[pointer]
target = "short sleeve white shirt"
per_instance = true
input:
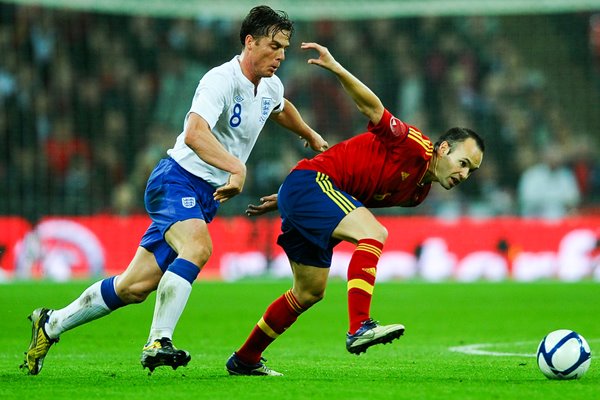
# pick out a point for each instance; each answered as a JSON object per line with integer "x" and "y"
{"x": 225, "y": 99}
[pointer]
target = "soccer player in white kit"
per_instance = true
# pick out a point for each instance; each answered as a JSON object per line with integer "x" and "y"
{"x": 205, "y": 167}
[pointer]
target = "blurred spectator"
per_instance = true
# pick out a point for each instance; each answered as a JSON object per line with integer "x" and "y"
{"x": 411, "y": 91}
{"x": 159, "y": 138}
{"x": 586, "y": 167}
{"x": 77, "y": 186}
{"x": 63, "y": 146}
{"x": 124, "y": 200}
{"x": 144, "y": 43}
{"x": 329, "y": 113}
{"x": 142, "y": 97}
{"x": 548, "y": 189}
{"x": 89, "y": 108}
{"x": 594, "y": 43}
{"x": 492, "y": 198}
{"x": 109, "y": 161}
{"x": 174, "y": 95}
{"x": 43, "y": 40}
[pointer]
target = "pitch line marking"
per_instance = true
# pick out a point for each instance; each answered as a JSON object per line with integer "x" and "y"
{"x": 479, "y": 349}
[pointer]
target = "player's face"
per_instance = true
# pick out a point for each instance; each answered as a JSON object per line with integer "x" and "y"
{"x": 454, "y": 167}
{"x": 267, "y": 53}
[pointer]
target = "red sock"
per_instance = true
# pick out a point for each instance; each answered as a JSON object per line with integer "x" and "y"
{"x": 280, "y": 315}
{"x": 361, "y": 280}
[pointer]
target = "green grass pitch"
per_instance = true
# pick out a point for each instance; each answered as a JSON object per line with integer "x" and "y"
{"x": 101, "y": 359}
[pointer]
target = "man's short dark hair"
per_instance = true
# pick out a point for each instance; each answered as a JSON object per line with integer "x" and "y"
{"x": 455, "y": 135}
{"x": 264, "y": 21}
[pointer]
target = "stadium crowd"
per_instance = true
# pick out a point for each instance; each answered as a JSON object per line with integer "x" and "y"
{"x": 89, "y": 102}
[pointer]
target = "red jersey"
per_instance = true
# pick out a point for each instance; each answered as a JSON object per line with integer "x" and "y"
{"x": 381, "y": 167}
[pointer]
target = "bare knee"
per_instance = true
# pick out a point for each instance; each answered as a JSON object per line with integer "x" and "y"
{"x": 377, "y": 232}
{"x": 380, "y": 234}
{"x": 135, "y": 293}
{"x": 308, "y": 298}
{"x": 197, "y": 254}
{"x": 191, "y": 240}
{"x": 360, "y": 224}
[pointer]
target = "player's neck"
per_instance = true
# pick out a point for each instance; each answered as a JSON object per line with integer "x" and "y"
{"x": 430, "y": 174}
{"x": 246, "y": 67}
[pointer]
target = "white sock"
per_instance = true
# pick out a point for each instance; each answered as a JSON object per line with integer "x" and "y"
{"x": 171, "y": 297}
{"x": 89, "y": 306}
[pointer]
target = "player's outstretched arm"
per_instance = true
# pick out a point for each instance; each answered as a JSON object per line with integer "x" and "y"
{"x": 291, "y": 119}
{"x": 267, "y": 204}
{"x": 367, "y": 102}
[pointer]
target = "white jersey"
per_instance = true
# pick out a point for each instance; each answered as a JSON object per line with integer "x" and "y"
{"x": 225, "y": 99}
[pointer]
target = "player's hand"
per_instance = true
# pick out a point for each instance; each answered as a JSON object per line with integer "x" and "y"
{"x": 325, "y": 59}
{"x": 267, "y": 204}
{"x": 316, "y": 142}
{"x": 233, "y": 187}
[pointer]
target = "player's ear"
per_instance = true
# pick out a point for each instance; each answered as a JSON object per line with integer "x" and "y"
{"x": 248, "y": 41}
{"x": 442, "y": 149}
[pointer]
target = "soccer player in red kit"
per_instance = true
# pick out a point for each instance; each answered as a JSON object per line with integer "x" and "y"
{"x": 325, "y": 200}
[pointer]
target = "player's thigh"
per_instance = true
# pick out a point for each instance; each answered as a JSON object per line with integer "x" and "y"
{"x": 140, "y": 278}
{"x": 191, "y": 240}
{"x": 309, "y": 283}
{"x": 360, "y": 224}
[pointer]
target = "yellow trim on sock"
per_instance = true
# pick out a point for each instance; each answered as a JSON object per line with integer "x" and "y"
{"x": 267, "y": 329}
{"x": 360, "y": 284}
{"x": 291, "y": 299}
{"x": 369, "y": 248}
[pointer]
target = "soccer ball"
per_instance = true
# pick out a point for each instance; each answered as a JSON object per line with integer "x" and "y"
{"x": 564, "y": 354}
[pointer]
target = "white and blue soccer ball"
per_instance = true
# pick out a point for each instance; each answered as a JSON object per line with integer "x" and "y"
{"x": 564, "y": 354}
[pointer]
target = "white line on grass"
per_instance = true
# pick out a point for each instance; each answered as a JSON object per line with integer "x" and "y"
{"x": 479, "y": 349}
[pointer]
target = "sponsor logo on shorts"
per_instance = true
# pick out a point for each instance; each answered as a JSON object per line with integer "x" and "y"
{"x": 188, "y": 202}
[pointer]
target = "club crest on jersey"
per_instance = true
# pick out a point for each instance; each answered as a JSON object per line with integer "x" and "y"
{"x": 395, "y": 126}
{"x": 265, "y": 108}
{"x": 188, "y": 202}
